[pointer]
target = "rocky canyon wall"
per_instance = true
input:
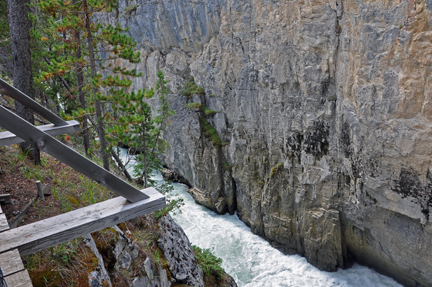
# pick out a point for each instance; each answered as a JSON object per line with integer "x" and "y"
{"x": 323, "y": 120}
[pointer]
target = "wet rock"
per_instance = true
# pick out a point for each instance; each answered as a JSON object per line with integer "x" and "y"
{"x": 221, "y": 205}
{"x": 202, "y": 197}
{"x": 173, "y": 176}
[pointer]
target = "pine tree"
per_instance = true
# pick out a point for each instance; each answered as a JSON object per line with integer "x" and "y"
{"x": 19, "y": 29}
{"x": 4, "y": 26}
{"x": 134, "y": 125}
{"x": 82, "y": 41}
{"x": 56, "y": 86}
{"x": 4, "y": 41}
{"x": 148, "y": 160}
{"x": 164, "y": 112}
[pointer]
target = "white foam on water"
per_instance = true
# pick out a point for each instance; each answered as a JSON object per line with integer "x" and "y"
{"x": 253, "y": 262}
{"x": 127, "y": 159}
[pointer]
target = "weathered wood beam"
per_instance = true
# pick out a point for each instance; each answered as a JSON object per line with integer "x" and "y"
{"x": 65, "y": 154}
{"x": 3, "y": 223}
{"x": 20, "y": 279}
{"x": 16, "y": 94}
{"x": 8, "y": 138}
{"x": 10, "y": 262}
{"x": 49, "y": 232}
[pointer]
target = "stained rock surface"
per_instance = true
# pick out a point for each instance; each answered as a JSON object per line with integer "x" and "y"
{"x": 323, "y": 113}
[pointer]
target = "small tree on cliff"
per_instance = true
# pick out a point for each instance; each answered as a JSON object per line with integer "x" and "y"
{"x": 149, "y": 161}
{"x": 134, "y": 125}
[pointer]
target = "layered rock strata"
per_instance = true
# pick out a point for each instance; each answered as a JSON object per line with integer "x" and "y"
{"x": 323, "y": 112}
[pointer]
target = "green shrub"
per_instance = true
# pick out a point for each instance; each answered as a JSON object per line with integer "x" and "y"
{"x": 190, "y": 88}
{"x": 276, "y": 169}
{"x": 194, "y": 106}
{"x": 199, "y": 107}
{"x": 210, "y": 264}
{"x": 211, "y": 133}
{"x": 200, "y": 91}
{"x": 129, "y": 9}
{"x": 173, "y": 204}
{"x": 208, "y": 112}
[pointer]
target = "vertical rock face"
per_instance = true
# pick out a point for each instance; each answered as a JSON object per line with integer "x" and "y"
{"x": 324, "y": 118}
{"x": 165, "y": 24}
{"x": 384, "y": 129}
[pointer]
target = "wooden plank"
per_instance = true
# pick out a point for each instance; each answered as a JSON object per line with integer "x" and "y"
{"x": 62, "y": 228}
{"x": 16, "y": 94}
{"x": 5, "y": 198}
{"x": 10, "y": 262}
{"x": 3, "y": 223}
{"x": 20, "y": 279}
{"x": 8, "y": 138}
{"x": 50, "y": 145}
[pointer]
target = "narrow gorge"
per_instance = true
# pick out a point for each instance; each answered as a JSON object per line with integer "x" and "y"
{"x": 313, "y": 122}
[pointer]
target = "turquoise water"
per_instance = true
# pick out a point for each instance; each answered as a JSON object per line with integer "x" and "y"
{"x": 252, "y": 261}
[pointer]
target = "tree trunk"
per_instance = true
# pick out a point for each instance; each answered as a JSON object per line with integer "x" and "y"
{"x": 19, "y": 27}
{"x": 144, "y": 175}
{"x": 100, "y": 129}
{"x": 82, "y": 98}
{"x": 121, "y": 165}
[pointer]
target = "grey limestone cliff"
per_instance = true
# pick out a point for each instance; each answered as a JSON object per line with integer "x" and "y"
{"x": 324, "y": 119}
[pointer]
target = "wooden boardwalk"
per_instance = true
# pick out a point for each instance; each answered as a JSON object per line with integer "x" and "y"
{"x": 10, "y": 262}
{"x": 49, "y": 232}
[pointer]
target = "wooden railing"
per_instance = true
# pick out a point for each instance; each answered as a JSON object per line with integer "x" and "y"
{"x": 62, "y": 228}
{"x": 26, "y": 131}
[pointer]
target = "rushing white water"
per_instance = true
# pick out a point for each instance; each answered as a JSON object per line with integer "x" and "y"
{"x": 252, "y": 261}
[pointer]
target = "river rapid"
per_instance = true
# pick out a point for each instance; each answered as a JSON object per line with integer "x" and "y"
{"x": 251, "y": 260}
